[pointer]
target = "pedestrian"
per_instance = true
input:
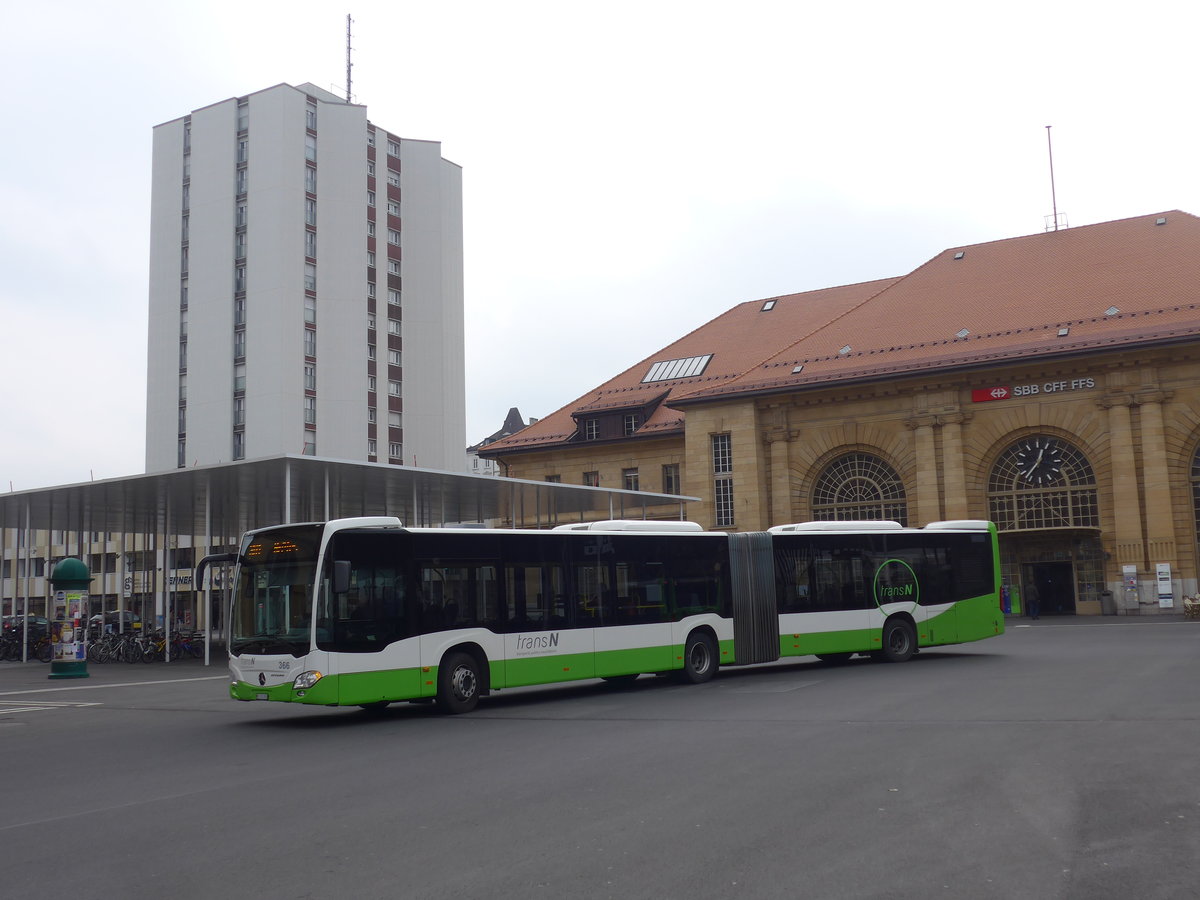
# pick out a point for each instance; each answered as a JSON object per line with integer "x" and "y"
{"x": 1032, "y": 601}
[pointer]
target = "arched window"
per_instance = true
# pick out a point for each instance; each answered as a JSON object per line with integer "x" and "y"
{"x": 1196, "y": 489}
{"x": 859, "y": 486}
{"x": 1042, "y": 482}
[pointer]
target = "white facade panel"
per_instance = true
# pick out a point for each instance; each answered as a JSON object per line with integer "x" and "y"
{"x": 166, "y": 216}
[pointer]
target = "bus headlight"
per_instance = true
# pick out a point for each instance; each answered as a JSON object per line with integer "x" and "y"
{"x": 305, "y": 680}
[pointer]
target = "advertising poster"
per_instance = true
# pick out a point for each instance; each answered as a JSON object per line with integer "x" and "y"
{"x": 1166, "y": 594}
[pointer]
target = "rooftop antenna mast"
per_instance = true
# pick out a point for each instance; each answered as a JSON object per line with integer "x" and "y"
{"x": 1053, "y": 225}
{"x": 349, "y": 64}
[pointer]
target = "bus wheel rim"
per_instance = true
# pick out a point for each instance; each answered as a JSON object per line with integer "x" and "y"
{"x": 464, "y": 683}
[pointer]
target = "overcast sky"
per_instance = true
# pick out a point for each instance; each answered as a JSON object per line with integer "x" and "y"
{"x": 630, "y": 169}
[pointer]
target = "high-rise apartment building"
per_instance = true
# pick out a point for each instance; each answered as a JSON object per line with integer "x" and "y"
{"x": 306, "y": 289}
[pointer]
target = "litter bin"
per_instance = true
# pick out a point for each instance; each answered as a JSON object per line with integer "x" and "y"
{"x": 1108, "y": 606}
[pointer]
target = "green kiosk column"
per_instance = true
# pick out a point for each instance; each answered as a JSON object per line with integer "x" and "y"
{"x": 68, "y": 630}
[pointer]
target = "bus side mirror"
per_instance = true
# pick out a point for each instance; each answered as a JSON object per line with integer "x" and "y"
{"x": 341, "y": 576}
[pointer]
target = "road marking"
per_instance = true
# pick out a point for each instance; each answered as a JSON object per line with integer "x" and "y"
{"x": 16, "y": 706}
{"x": 96, "y": 687}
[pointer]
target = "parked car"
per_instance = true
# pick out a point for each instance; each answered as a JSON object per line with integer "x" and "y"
{"x": 114, "y": 618}
{"x": 36, "y": 623}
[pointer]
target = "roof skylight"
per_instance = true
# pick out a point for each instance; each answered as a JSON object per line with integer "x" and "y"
{"x": 676, "y": 368}
{"x": 961, "y": 333}
{"x": 770, "y": 304}
{"x": 1111, "y": 311}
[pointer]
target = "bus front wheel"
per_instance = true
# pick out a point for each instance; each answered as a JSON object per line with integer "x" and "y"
{"x": 899, "y": 641}
{"x": 458, "y": 683}
{"x": 699, "y": 657}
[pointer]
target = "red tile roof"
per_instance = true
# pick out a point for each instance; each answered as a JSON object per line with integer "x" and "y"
{"x": 1012, "y": 297}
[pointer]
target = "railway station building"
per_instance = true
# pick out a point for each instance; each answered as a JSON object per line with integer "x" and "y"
{"x": 1049, "y": 383}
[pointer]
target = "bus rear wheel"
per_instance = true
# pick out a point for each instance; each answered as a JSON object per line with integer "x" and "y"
{"x": 699, "y": 657}
{"x": 899, "y": 641}
{"x": 458, "y": 683}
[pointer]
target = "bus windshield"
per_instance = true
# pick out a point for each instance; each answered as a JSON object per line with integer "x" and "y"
{"x": 272, "y": 604}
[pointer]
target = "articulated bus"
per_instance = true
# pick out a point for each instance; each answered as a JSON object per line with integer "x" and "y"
{"x": 365, "y": 612}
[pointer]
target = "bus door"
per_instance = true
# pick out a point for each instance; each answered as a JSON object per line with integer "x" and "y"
{"x": 546, "y": 639}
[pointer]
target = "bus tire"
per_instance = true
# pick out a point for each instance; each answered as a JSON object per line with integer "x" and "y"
{"x": 699, "y": 658}
{"x": 458, "y": 683}
{"x": 899, "y": 641}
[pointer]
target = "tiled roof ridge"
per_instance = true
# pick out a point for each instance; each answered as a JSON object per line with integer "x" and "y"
{"x": 1073, "y": 229}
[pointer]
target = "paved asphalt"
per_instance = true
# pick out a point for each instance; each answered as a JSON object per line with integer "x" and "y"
{"x": 1061, "y": 760}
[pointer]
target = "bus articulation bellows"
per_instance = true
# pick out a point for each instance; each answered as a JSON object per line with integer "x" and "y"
{"x": 364, "y": 612}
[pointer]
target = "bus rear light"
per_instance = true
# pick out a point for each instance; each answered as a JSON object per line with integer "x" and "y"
{"x": 305, "y": 680}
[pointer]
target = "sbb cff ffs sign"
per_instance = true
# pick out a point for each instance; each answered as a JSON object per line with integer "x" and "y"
{"x": 1004, "y": 392}
{"x": 983, "y": 395}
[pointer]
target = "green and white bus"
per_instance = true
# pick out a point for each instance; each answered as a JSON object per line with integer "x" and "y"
{"x": 365, "y": 612}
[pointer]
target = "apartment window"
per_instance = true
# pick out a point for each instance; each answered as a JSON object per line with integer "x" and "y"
{"x": 182, "y": 419}
{"x": 370, "y": 168}
{"x": 187, "y": 137}
{"x": 394, "y": 388}
{"x": 554, "y": 479}
{"x": 371, "y": 259}
{"x": 310, "y": 443}
{"x": 370, "y": 351}
{"x": 371, "y": 414}
{"x": 393, "y": 357}
{"x": 393, "y": 296}
{"x": 393, "y": 267}
{"x": 370, "y": 321}
{"x": 183, "y": 356}
{"x": 395, "y": 419}
{"x": 371, "y": 383}
{"x": 310, "y": 277}
{"x": 393, "y": 326}
{"x": 310, "y": 118}
{"x": 310, "y": 180}
{"x": 310, "y": 377}
{"x": 239, "y": 445}
{"x": 243, "y": 180}
{"x": 183, "y": 322}
{"x": 395, "y": 451}
{"x": 239, "y": 311}
{"x": 239, "y": 245}
{"x": 310, "y": 342}
{"x": 632, "y": 422}
{"x": 310, "y": 410}
{"x": 591, "y": 429}
{"x": 370, "y": 228}
{"x": 185, "y": 229}
{"x": 629, "y": 479}
{"x": 243, "y": 117}
{"x": 310, "y": 310}
{"x": 182, "y": 388}
{"x": 591, "y": 479}
{"x": 240, "y": 214}
{"x": 670, "y": 479}
{"x": 394, "y": 148}
{"x": 371, "y": 289}
{"x": 243, "y": 150}
{"x": 310, "y": 244}
{"x": 393, "y": 236}
{"x": 187, "y": 167}
{"x": 370, "y": 198}
{"x": 371, "y": 447}
{"x": 180, "y": 459}
{"x": 310, "y": 147}
{"x": 239, "y": 377}
{"x": 239, "y": 278}
{"x": 239, "y": 411}
{"x": 187, "y": 195}
{"x": 393, "y": 178}
{"x": 393, "y": 207}
{"x": 310, "y": 211}
{"x": 239, "y": 344}
{"x": 183, "y": 260}
{"x": 183, "y": 293}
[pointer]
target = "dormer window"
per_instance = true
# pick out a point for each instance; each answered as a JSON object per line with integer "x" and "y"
{"x": 633, "y": 422}
{"x": 591, "y": 429}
